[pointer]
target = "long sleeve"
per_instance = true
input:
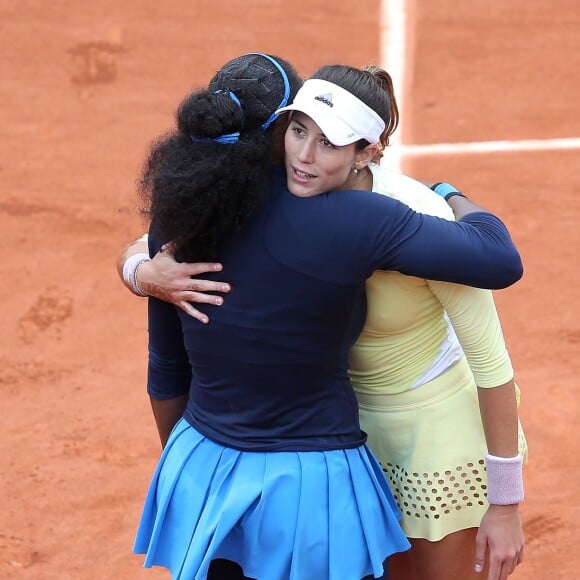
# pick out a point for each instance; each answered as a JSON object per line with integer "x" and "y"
{"x": 369, "y": 232}
{"x": 475, "y": 320}
{"x": 485, "y": 238}
{"x": 476, "y": 251}
{"x": 169, "y": 371}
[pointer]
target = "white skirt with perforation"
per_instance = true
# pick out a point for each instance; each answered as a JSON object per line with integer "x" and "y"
{"x": 431, "y": 445}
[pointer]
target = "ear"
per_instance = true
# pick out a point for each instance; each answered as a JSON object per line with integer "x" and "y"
{"x": 365, "y": 156}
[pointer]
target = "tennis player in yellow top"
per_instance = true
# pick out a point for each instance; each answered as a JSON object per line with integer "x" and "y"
{"x": 424, "y": 349}
{"x": 433, "y": 378}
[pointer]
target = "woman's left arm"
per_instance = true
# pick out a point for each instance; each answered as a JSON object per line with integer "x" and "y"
{"x": 475, "y": 320}
{"x": 500, "y": 532}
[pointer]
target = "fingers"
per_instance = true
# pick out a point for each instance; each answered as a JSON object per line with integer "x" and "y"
{"x": 500, "y": 569}
{"x": 505, "y": 570}
{"x": 480, "y": 549}
{"x": 201, "y": 298}
{"x": 517, "y": 560}
{"x": 500, "y": 541}
{"x": 198, "y": 268}
{"x": 494, "y": 570}
{"x": 194, "y": 285}
{"x": 187, "y": 307}
{"x": 193, "y": 312}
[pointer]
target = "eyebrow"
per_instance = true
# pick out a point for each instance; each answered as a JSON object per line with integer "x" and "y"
{"x": 294, "y": 120}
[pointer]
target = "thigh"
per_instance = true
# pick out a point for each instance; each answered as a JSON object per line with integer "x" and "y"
{"x": 451, "y": 558}
{"x": 225, "y": 570}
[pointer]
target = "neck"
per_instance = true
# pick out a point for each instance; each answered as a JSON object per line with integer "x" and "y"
{"x": 364, "y": 179}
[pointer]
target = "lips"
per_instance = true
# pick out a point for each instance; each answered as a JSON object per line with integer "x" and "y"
{"x": 301, "y": 176}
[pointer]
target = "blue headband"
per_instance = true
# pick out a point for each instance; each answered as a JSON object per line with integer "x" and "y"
{"x": 233, "y": 137}
{"x": 230, "y": 137}
{"x": 231, "y": 95}
{"x": 286, "y": 96}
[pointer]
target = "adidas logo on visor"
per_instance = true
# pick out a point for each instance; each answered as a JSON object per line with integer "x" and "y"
{"x": 326, "y": 98}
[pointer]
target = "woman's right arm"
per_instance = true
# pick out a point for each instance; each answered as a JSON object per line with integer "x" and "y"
{"x": 166, "y": 279}
{"x": 168, "y": 371}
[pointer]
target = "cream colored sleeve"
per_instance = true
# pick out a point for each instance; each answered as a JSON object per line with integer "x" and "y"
{"x": 475, "y": 320}
{"x": 472, "y": 311}
{"x": 409, "y": 191}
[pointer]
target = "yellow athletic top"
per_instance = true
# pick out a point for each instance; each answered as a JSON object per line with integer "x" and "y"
{"x": 406, "y": 340}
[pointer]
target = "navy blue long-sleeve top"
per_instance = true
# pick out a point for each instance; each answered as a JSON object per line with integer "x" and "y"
{"x": 269, "y": 372}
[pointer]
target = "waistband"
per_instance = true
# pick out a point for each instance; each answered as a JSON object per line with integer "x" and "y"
{"x": 452, "y": 380}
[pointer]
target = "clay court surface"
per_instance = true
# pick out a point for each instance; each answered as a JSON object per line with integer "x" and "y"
{"x": 86, "y": 86}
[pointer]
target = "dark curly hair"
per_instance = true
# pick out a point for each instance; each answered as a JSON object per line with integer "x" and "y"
{"x": 199, "y": 187}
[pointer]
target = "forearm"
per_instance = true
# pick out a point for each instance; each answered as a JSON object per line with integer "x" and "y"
{"x": 137, "y": 247}
{"x": 494, "y": 232}
{"x": 167, "y": 413}
{"x": 462, "y": 206}
{"x": 476, "y": 251}
{"x": 499, "y": 415}
{"x": 459, "y": 203}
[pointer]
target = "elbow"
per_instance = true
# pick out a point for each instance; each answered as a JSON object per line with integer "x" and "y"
{"x": 158, "y": 394}
{"x": 511, "y": 272}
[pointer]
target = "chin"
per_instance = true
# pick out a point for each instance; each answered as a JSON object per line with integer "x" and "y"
{"x": 298, "y": 190}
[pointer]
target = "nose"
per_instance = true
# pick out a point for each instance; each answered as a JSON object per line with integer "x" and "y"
{"x": 306, "y": 151}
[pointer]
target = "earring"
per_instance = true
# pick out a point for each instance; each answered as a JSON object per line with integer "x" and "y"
{"x": 355, "y": 170}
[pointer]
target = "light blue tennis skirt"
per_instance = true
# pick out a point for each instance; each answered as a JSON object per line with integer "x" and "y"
{"x": 317, "y": 515}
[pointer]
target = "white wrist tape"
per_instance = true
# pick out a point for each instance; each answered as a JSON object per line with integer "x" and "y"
{"x": 130, "y": 272}
{"x": 505, "y": 485}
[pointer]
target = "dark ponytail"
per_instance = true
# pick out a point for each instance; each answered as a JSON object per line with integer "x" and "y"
{"x": 373, "y": 86}
{"x": 385, "y": 83}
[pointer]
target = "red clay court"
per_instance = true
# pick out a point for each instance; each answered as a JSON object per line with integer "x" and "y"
{"x": 85, "y": 88}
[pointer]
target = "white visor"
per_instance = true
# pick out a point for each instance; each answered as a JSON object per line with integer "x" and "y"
{"x": 341, "y": 116}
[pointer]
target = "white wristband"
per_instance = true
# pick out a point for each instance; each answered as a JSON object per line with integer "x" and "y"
{"x": 130, "y": 272}
{"x": 505, "y": 485}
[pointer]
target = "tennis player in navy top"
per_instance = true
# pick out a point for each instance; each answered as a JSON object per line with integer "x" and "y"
{"x": 264, "y": 462}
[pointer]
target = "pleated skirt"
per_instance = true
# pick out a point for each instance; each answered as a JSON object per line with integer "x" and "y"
{"x": 316, "y": 515}
{"x": 431, "y": 445}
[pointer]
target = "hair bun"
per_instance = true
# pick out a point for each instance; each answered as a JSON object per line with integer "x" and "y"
{"x": 209, "y": 114}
